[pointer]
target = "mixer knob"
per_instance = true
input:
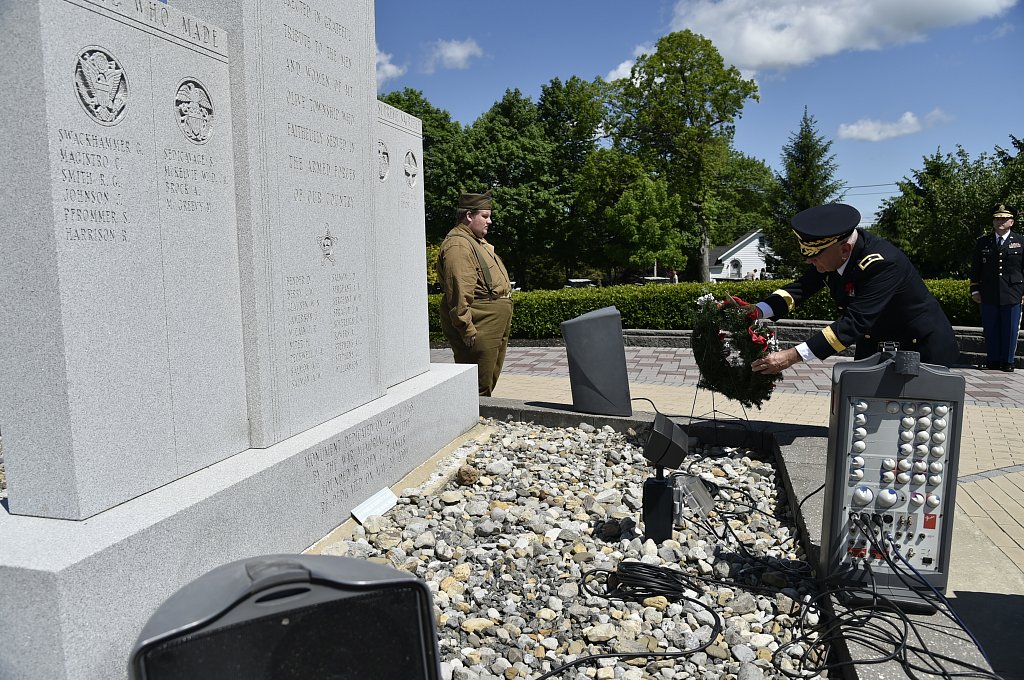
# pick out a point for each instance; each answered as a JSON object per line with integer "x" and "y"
{"x": 862, "y": 495}
{"x": 887, "y": 498}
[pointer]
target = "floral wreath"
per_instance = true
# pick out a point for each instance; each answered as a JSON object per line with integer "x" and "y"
{"x": 727, "y": 337}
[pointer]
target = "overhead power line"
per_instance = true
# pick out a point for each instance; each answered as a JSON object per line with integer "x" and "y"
{"x": 865, "y": 186}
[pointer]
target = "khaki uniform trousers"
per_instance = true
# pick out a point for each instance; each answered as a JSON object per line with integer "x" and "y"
{"x": 493, "y": 322}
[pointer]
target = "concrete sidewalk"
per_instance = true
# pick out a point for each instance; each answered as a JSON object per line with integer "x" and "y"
{"x": 986, "y": 575}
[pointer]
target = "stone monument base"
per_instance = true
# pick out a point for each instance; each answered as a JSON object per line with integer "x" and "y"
{"x": 77, "y": 593}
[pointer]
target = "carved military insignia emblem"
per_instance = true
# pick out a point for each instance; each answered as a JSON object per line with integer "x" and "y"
{"x": 412, "y": 168}
{"x": 326, "y": 243}
{"x": 102, "y": 86}
{"x": 383, "y": 160}
{"x": 194, "y": 109}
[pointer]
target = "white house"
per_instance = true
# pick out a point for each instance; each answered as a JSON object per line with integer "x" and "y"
{"x": 739, "y": 258}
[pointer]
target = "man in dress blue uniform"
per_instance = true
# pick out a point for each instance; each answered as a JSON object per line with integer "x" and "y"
{"x": 881, "y": 297}
{"x": 997, "y": 284}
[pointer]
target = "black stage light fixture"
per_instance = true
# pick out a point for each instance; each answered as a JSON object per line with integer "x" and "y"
{"x": 666, "y": 448}
{"x": 292, "y": 617}
{"x": 597, "y": 363}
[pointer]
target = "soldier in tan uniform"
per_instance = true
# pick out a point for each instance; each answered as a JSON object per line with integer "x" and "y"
{"x": 476, "y": 304}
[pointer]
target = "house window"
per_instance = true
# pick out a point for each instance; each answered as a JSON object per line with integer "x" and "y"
{"x": 735, "y": 269}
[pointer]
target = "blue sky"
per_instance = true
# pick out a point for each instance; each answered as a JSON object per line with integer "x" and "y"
{"x": 889, "y": 81}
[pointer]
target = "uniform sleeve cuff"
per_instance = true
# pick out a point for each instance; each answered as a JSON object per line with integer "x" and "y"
{"x": 805, "y": 352}
{"x": 766, "y": 310}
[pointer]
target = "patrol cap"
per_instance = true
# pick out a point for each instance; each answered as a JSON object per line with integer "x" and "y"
{"x": 819, "y": 227}
{"x": 476, "y": 201}
{"x": 1000, "y": 212}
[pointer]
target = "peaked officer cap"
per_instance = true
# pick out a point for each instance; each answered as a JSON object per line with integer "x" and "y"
{"x": 1001, "y": 211}
{"x": 819, "y": 227}
{"x": 476, "y": 201}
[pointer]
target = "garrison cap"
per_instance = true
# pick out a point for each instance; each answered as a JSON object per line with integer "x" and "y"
{"x": 1000, "y": 212}
{"x": 476, "y": 201}
{"x": 819, "y": 227}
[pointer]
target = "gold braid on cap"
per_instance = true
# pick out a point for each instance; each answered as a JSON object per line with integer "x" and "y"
{"x": 812, "y": 248}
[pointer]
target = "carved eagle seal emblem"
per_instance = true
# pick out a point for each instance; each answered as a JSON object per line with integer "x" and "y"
{"x": 102, "y": 85}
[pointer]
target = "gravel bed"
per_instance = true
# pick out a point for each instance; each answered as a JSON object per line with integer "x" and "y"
{"x": 505, "y": 546}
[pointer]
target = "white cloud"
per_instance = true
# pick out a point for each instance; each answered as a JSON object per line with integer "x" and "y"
{"x": 623, "y": 70}
{"x": 385, "y": 69}
{"x": 760, "y": 34}
{"x": 870, "y": 130}
{"x": 999, "y": 32}
{"x": 451, "y": 54}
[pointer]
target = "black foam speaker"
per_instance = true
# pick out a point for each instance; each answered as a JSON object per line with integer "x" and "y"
{"x": 667, "y": 444}
{"x": 292, "y": 617}
{"x": 597, "y": 363}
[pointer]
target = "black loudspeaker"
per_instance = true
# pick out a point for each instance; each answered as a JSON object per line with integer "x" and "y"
{"x": 667, "y": 444}
{"x": 292, "y": 617}
{"x": 597, "y": 363}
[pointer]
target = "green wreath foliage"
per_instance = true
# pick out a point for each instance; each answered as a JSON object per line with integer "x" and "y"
{"x": 725, "y": 341}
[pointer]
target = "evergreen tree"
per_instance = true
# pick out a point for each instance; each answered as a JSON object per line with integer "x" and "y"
{"x": 807, "y": 179}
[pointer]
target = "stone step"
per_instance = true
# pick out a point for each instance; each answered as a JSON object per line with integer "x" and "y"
{"x": 792, "y": 332}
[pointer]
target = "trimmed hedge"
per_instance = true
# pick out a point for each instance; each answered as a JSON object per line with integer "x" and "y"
{"x": 671, "y": 306}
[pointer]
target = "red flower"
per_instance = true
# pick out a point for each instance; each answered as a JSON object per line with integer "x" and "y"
{"x": 758, "y": 339}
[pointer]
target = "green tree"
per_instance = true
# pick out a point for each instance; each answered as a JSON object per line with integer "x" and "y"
{"x": 572, "y": 115}
{"x": 808, "y": 178}
{"x": 747, "y": 190}
{"x": 509, "y": 152}
{"x": 676, "y": 112}
{"x": 940, "y": 211}
{"x": 630, "y": 217}
{"x": 1011, "y": 184}
{"x": 442, "y": 159}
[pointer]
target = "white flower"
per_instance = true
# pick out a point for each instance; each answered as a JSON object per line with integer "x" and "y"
{"x": 705, "y": 299}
